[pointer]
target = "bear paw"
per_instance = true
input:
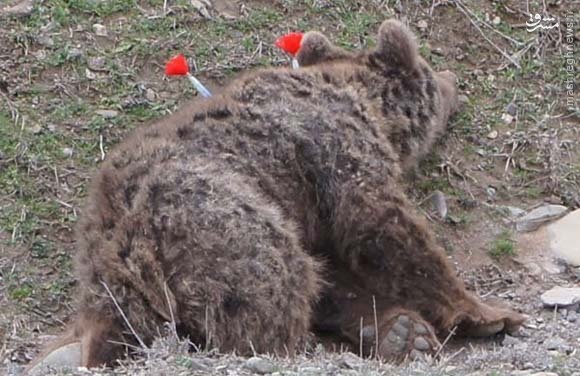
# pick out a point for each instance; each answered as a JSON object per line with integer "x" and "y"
{"x": 408, "y": 337}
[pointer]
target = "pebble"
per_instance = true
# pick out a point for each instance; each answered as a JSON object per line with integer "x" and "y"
{"x": 510, "y": 341}
{"x": 511, "y": 109}
{"x": 311, "y": 371}
{"x": 422, "y": 25}
{"x": 74, "y": 53}
{"x": 97, "y": 63}
{"x": 67, "y": 152}
{"x": 491, "y": 192}
{"x": 89, "y": 74}
{"x": 561, "y": 296}
{"x": 496, "y": 20}
{"x": 100, "y": 30}
{"x": 439, "y": 204}
{"x": 260, "y": 365}
{"x": 539, "y": 216}
{"x": 507, "y": 118}
{"x": 45, "y": 41}
{"x": 150, "y": 95}
{"x": 350, "y": 361}
{"x": 492, "y": 135}
{"x": 572, "y": 316}
{"x": 107, "y": 114}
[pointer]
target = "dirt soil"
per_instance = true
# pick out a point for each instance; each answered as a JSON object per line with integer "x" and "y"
{"x": 77, "y": 75}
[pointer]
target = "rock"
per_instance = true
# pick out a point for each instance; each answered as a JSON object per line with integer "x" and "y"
{"x": 565, "y": 238}
{"x": 555, "y": 343}
{"x": 561, "y": 296}
{"x": 89, "y": 74}
{"x": 97, "y": 63}
{"x": 311, "y": 371}
{"x": 510, "y": 341}
{"x": 350, "y": 361}
{"x": 150, "y": 95}
{"x": 492, "y": 135}
{"x": 463, "y": 99}
{"x": 439, "y": 204}
{"x": 107, "y": 114}
{"x": 496, "y": 20}
{"x": 491, "y": 192}
{"x": 507, "y": 118}
{"x": 100, "y": 30}
{"x": 572, "y": 316}
{"x": 260, "y": 365}
{"x": 511, "y": 109}
{"x": 19, "y": 9}
{"x": 539, "y": 216}
{"x": 202, "y": 6}
{"x": 64, "y": 357}
{"x": 74, "y": 53}
{"x": 439, "y": 52}
{"x": 510, "y": 211}
{"x": 422, "y": 25}
{"x": 45, "y": 41}
{"x": 67, "y": 152}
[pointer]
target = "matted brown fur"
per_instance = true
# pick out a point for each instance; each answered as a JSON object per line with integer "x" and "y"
{"x": 274, "y": 209}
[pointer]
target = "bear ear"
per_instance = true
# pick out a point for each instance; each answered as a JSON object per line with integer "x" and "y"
{"x": 397, "y": 47}
{"x": 316, "y": 48}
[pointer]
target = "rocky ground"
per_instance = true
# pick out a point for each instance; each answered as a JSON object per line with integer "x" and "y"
{"x": 77, "y": 75}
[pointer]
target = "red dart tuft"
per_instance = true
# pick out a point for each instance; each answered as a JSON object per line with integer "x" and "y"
{"x": 290, "y": 42}
{"x": 177, "y": 66}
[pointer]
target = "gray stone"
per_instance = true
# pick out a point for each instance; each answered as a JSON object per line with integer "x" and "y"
{"x": 66, "y": 357}
{"x": 350, "y": 361}
{"x": 511, "y": 109}
{"x": 100, "y": 30}
{"x": 74, "y": 53}
{"x": 67, "y": 152}
{"x": 17, "y": 9}
{"x": 572, "y": 316}
{"x": 107, "y": 114}
{"x": 439, "y": 204}
{"x": 539, "y": 216}
{"x": 311, "y": 371}
{"x": 564, "y": 237}
{"x": 510, "y": 341}
{"x": 97, "y": 63}
{"x": 561, "y": 296}
{"x": 150, "y": 95}
{"x": 554, "y": 343}
{"x": 45, "y": 40}
{"x": 260, "y": 365}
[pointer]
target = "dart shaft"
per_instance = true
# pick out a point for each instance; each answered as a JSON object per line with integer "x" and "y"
{"x": 199, "y": 86}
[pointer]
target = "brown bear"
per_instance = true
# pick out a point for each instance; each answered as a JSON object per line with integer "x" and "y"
{"x": 275, "y": 209}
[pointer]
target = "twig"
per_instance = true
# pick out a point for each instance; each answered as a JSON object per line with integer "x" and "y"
{"x": 451, "y": 334}
{"x": 361, "y": 338}
{"x": 173, "y": 323}
{"x": 141, "y": 343}
{"x": 101, "y": 147}
{"x": 376, "y": 327}
{"x": 460, "y": 8}
{"x": 507, "y": 37}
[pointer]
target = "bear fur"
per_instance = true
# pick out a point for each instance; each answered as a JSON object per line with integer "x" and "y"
{"x": 275, "y": 209}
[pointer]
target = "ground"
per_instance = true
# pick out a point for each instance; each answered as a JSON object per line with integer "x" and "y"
{"x": 77, "y": 75}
